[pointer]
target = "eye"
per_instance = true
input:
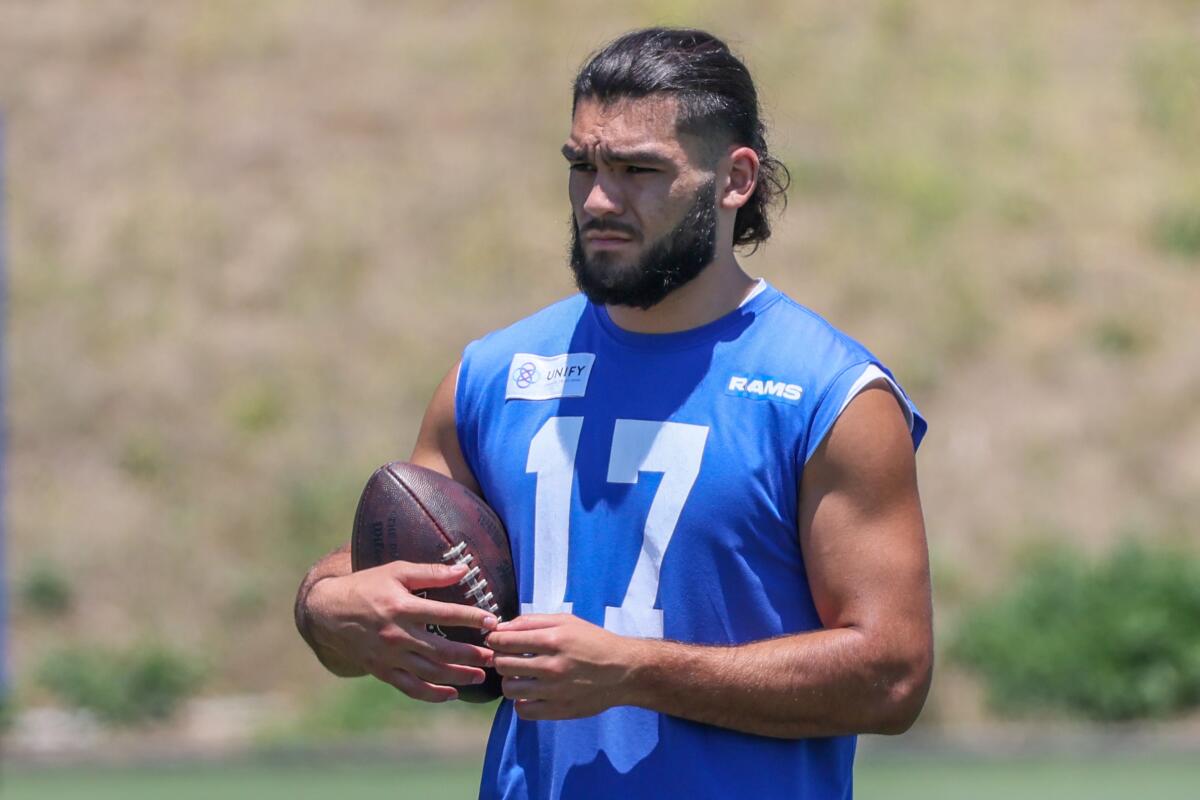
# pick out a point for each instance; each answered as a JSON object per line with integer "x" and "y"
{"x": 583, "y": 166}
{"x": 635, "y": 170}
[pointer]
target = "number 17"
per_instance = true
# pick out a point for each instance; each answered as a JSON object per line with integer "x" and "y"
{"x": 673, "y": 448}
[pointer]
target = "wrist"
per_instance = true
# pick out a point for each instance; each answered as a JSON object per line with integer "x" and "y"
{"x": 643, "y": 663}
{"x": 313, "y": 614}
{"x": 309, "y": 618}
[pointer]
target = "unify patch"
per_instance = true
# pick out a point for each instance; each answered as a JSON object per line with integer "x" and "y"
{"x": 533, "y": 377}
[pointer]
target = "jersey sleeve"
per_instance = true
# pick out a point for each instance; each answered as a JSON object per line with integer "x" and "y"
{"x": 844, "y": 387}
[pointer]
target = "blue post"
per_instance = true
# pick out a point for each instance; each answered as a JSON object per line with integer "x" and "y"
{"x": 3, "y": 432}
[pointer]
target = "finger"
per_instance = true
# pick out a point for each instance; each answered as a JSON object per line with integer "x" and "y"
{"x": 522, "y": 689}
{"x": 528, "y": 622}
{"x": 426, "y": 576}
{"x": 521, "y": 642}
{"x": 437, "y": 672}
{"x": 537, "y": 709}
{"x": 454, "y": 615}
{"x": 438, "y": 648}
{"x": 416, "y": 688}
{"x": 414, "y": 638}
{"x": 525, "y": 666}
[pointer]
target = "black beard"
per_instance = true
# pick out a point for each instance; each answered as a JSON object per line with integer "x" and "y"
{"x": 669, "y": 263}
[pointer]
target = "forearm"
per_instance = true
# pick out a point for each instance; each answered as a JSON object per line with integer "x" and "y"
{"x": 308, "y": 607}
{"x": 823, "y": 683}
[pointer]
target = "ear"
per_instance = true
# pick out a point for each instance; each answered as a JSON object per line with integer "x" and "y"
{"x": 741, "y": 176}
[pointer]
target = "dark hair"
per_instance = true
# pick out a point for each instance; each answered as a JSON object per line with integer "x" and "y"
{"x": 716, "y": 98}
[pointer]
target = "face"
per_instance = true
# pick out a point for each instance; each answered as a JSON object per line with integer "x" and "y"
{"x": 645, "y": 217}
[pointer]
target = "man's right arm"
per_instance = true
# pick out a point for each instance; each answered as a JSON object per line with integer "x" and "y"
{"x": 371, "y": 622}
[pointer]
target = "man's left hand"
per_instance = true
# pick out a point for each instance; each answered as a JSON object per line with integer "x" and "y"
{"x": 558, "y": 666}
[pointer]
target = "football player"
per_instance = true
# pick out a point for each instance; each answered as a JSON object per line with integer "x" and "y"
{"x": 710, "y": 491}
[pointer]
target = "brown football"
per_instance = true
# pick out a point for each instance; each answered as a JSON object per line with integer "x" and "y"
{"x": 409, "y": 513}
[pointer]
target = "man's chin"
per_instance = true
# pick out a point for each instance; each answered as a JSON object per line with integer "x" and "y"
{"x": 618, "y": 293}
{"x": 611, "y": 272}
{"x": 618, "y": 260}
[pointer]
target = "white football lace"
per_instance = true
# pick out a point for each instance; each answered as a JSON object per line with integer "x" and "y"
{"x": 476, "y": 585}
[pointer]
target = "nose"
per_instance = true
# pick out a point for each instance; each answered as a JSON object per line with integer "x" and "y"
{"x": 603, "y": 198}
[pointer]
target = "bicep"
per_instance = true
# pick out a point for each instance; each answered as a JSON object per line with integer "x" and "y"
{"x": 861, "y": 527}
{"x": 437, "y": 446}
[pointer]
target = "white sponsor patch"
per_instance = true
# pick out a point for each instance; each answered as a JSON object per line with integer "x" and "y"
{"x": 759, "y": 388}
{"x": 533, "y": 377}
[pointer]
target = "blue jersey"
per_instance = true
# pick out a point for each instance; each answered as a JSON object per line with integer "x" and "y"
{"x": 649, "y": 484}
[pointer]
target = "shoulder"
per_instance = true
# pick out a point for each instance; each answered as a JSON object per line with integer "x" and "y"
{"x": 835, "y": 366}
{"x": 792, "y": 342}
{"x": 822, "y": 340}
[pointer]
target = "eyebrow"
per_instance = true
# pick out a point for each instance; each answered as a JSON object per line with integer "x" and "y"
{"x": 634, "y": 156}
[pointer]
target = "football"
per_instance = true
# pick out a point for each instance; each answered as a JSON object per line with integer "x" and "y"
{"x": 411, "y": 513}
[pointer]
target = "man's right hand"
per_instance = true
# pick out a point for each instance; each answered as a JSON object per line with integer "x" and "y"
{"x": 373, "y": 620}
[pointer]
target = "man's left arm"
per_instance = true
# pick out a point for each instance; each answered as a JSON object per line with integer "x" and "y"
{"x": 866, "y": 671}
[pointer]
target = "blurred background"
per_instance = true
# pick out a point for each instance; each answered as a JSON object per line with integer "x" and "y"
{"x": 246, "y": 240}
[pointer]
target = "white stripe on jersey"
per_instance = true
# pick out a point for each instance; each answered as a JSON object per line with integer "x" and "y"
{"x": 873, "y": 373}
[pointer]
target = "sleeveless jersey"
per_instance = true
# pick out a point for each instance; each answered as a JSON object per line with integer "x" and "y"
{"x": 649, "y": 484}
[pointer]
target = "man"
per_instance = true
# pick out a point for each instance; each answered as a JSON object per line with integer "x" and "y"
{"x": 710, "y": 492}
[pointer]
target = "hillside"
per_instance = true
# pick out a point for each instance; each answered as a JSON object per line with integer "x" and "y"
{"x": 247, "y": 240}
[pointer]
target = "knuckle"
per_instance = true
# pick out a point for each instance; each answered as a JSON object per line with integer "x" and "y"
{"x": 400, "y": 604}
{"x": 417, "y": 641}
{"x": 403, "y": 568}
{"x": 426, "y": 650}
{"x": 392, "y": 634}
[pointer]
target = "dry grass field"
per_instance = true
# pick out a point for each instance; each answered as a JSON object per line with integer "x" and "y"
{"x": 247, "y": 240}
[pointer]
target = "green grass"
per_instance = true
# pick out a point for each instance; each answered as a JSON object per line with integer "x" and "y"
{"x": 1160, "y": 777}
{"x": 430, "y": 780}
{"x": 891, "y": 777}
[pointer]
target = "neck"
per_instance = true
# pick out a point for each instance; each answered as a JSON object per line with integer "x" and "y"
{"x": 718, "y": 289}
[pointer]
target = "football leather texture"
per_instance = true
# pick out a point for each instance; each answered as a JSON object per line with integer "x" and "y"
{"x": 410, "y": 513}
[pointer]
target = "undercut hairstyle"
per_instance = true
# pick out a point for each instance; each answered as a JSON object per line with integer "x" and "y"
{"x": 716, "y": 98}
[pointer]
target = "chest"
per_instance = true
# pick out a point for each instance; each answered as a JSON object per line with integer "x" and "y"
{"x": 627, "y": 505}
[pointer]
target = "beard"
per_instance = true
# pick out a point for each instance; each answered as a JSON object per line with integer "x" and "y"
{"x": 672, "y": 261}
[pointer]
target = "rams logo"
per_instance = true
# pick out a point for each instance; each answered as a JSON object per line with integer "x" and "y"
{"x": 764, "y": 389}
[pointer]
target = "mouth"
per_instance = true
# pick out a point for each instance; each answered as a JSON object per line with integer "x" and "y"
{"x": 607, "y": 239}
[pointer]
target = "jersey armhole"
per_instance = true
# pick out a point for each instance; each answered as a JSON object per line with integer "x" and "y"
{"x": 869, "y": 375}
{"x": 466, "y": 443}
{"x": 855, "y": 380}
